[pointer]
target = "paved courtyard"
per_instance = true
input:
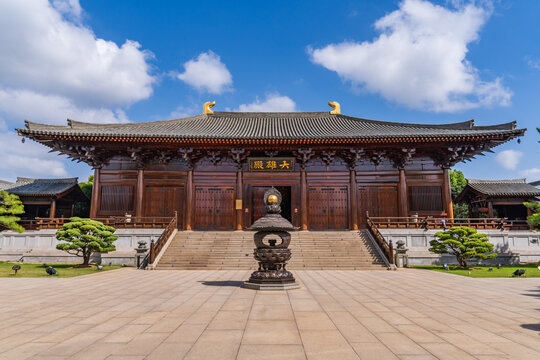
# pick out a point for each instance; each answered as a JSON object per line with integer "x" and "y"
{"x": 406, "y": 314}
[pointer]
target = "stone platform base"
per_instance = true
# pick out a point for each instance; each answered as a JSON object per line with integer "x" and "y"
{"x": 254, "y": 286}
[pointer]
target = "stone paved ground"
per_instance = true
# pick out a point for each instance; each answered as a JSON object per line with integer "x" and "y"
{"x": 406, "y": 314}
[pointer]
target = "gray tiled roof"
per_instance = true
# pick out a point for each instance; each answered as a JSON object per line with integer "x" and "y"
{"x": 299, "y": 125}
{"x": 41, "y": 187}
{"x": 513, "y": 187}
{"x": 5, "y": 184}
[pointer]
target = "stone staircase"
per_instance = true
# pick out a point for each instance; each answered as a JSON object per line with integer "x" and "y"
{"x": 217, "y": 250}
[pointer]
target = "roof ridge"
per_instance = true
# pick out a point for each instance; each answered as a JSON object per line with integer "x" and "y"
{"x": 501, "y": 181}
{"x": 27, "y": 180}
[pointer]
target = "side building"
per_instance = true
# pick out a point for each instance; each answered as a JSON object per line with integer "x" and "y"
{"x": 47, "y": 198}
{"x": 213, "y": 168}
{"x": 498, "y": 198}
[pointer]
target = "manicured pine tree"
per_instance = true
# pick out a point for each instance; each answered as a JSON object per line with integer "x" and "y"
{"x": 464, "y": 243}
{"x": 83, "y": 237}
{"x": 10, "y": 207}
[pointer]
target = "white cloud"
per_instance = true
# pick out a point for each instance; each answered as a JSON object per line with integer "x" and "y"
{"x": 273, "y": 102}
{"x": 532, "y": 174}
{"x": 509, "y": 159}
{"x": 419, "y": 59}
{"x": 52, "y": 109}
{"x": 45, "y": 52}
{"x": 533, "y": 63}
{"x": 29, "y": 159}
{"x": 53, "y": 67}
{"x": 69, "y": 8}
{"x": 183, "y": 111}
{"x": 207, "y": 73}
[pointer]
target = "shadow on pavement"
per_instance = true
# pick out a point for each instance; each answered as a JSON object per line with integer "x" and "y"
{"x": 535, "y": 327}
{"x": 222, "y": 283}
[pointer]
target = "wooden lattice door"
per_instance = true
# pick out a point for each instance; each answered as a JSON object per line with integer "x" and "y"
{"x": 378, "y": 201}
{"x": 163, "y": 201}
{"x": 214, "y": 208}
{"x": 328, "y": 208}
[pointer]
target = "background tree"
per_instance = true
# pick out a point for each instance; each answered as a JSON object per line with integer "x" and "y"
{"x": 464, "y": 243}
{"x": 82, "y": 209}
{"x": 83, "y": 237}
{"x": 10, "y": 207}
{"x": 534, "y": 219}
{"x": 86, "y": 187}
{"x": 457, "y": 184}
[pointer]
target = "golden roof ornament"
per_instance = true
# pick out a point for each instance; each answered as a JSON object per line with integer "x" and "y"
{"x": 335, "y": 106}
{"x": 206, "y": 107}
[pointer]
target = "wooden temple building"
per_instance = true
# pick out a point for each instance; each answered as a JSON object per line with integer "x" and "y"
{"x": 498, "y": 198}
{"x": 213, "y": 168}
{"x": 47, "y": 198}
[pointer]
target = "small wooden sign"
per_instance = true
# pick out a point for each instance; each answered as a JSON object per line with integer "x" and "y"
{"x": 271, "y": 164}
{"x": 238, "y": 204}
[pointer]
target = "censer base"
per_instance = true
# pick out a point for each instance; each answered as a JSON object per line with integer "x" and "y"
{"x": 267, "y": 286}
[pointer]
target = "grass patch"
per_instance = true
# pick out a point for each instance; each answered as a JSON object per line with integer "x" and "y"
{"x": 482, "y": 271}
{"x": 37, "y": 270}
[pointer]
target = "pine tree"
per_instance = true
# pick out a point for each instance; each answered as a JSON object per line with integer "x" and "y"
{"x": 10, "y": 206}
{"x": 457, "y": 184}
{"x": 534, "y": 219}
{"x": 464, "y": 243}
{"x": 85, "y": 236}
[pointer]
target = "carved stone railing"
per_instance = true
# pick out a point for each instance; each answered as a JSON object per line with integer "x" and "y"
{"x": 435, "y": 223}
{"x": 387, "y": 248}
{"x": 157, "y": 246}
{"x": 118, "y": 222}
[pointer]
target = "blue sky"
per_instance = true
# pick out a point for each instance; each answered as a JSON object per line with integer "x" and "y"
{"x": 409, "y": 61}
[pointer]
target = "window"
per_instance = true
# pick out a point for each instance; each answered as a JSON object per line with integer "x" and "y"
{"x": 116, "y": 198}
{"x": 425, "y": 198}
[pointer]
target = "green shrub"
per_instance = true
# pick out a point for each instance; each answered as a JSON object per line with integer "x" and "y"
{"x": 534, "y": 219}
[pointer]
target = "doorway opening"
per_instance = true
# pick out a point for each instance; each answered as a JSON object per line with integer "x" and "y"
{"x": 257, "y": 202}
{"x": 286, "y": 201}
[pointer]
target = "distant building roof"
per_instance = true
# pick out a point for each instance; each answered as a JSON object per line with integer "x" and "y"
{"x": 501, "y": 188}
{"x": 5, "y": 184}
{"x": 41, "y": 187}
{"x": 536, "y": 184}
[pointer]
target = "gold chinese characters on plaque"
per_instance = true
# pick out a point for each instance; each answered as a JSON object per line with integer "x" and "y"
{"x": 271, "y": 164}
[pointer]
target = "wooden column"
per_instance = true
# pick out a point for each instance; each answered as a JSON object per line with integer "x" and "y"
{"x": 189, "y": 200}
{"x": 140, "y": 192}
{"x": 239, "y": 197}
{"x": 303, "y": 200}
{"x": 403, "y": 200}
{"x": 52, "y": 211}
{"x": 490, "y": 209}
{"x": 353, "y": 210}
{"x": 94, "y": 206}
{"x": 447, "y": 194}
{"x": 72, "y": 213}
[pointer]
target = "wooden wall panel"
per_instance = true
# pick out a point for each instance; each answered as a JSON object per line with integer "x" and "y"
{"x": 163, "y": 201}
{"x": 378, "y": 201}
{"x": 257, "y": 202}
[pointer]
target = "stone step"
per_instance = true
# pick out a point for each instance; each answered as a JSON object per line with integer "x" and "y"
{"x": 347, "y": 250}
